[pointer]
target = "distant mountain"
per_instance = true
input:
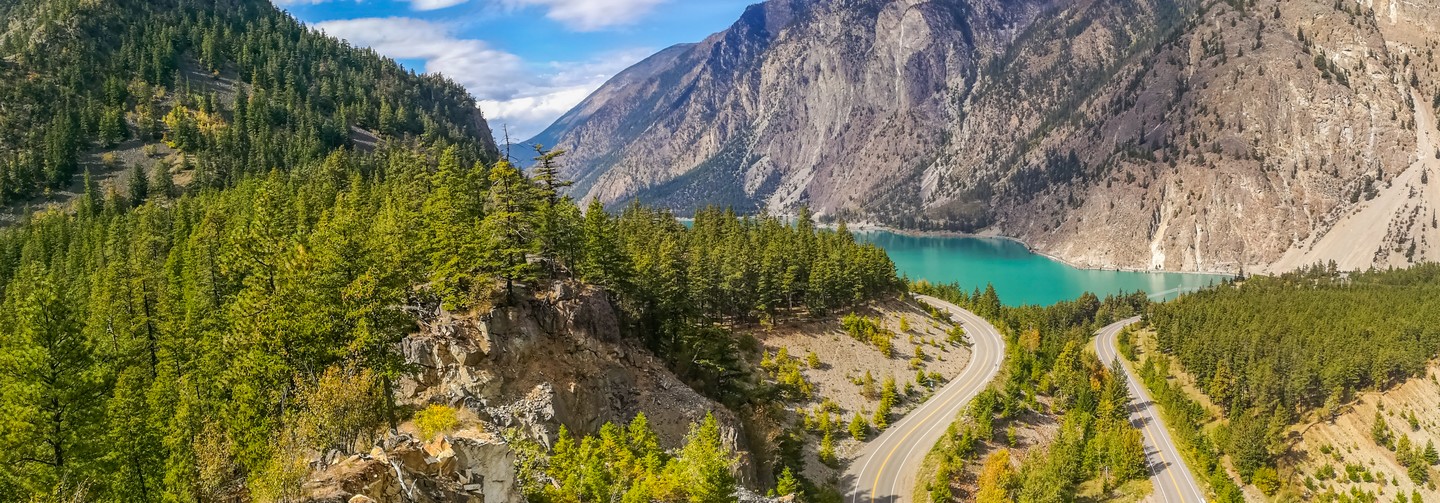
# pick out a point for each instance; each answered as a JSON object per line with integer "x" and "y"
{"x": 1174, "y": 134}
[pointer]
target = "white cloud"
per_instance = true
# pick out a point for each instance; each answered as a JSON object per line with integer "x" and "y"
{"x": 527, "y": 96}
{"x": 590, "y": 15}
{"x": 434, "y": 4}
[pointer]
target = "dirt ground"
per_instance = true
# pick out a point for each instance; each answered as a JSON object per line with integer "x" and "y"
{"x": 844, "y": 360}
{"x": 1349, "y": 442}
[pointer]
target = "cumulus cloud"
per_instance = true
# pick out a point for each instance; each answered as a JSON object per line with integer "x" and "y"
{"x": 527, "y": 96}
{"x": 590, "y": 15}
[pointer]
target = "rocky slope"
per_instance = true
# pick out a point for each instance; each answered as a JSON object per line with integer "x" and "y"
{"x": 1180, "y": 135}
{"x": 558, "y": 359}
{"x": 553, "y": 358}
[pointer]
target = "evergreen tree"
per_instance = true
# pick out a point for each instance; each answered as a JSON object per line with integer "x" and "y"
{"x": 602, "y": 261}
{"x": 706, "y": 466}
{"x": 162, "y": 183}
{"x": 452, "y": 212}
{"x": 91, "y": 202}
{"x": 113, "y": 129}
{"x": 51, "y": 394}
{"x": 509, "y": 226}
{"x": 786, "y": 484}
{"x": 138, "y": 184}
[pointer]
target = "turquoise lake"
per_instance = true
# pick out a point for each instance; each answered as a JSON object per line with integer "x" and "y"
{"x": 1019, "y": 276}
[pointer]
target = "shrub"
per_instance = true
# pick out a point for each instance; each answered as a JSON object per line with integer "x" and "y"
{"x": 1267, "y": 480}
{"x": 436, "y": 419}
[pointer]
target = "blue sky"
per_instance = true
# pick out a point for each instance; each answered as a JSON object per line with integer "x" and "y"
{"x": 527, "y": 61}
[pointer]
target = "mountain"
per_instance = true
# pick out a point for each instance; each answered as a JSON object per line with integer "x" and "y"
{"x": 1152, "y": 134}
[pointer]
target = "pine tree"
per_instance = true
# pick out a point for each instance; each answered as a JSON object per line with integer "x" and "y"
{"x": 509, "y": 226}
{"x": 452, "y": 213}
{"x": 113, "y": 129}
{"x": 162, "y": 183}
{"x": 786, "y": 484}
{"x": 602, "y": 261}
{"x": 547, "y": 174}
{"x": 559, "y": 236}
{"x": 51, "y": 393}
{"x": 91, "y": 202}
{"x": 859, "y": 428}
{"x": 1379, "y": 431}
{"x": 827, "y": 450}
{"x": 138, "y": 185}
{"x": 888, "y": 395}
{"x": 705, "y": 465}
{"x": 386, "y": 123}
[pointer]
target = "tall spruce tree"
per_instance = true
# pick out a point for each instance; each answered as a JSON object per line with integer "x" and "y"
{"x": 509, "y": 226}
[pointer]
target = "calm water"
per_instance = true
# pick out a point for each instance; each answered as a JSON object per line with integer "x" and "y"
{"x": 1019, "y": 276}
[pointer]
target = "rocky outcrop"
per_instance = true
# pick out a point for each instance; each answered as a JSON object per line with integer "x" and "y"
{"x": 546, "y": 360}
{"x": 468, "y": 466}
{"x": 1154, "y": 134}
{"x": 554, "y": 358}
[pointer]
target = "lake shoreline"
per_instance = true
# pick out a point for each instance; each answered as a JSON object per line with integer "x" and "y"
{"x": 873, "y": 227}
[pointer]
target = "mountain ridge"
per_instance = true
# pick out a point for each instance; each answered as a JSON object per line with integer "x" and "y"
{"x": 1140, "y": 134}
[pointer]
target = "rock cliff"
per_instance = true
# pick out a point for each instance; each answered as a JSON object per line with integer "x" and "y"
{"x": 558, "y": 358}
{"x": 552, "y": 358}
{"x": 1179, "y": 135}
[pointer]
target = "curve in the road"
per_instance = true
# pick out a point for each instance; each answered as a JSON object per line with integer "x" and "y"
{"x": 1173, "y": 481}
{"x": 887, "y": 467}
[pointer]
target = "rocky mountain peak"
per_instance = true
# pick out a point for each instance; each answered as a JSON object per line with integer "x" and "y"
{"x": 1143, "y": 133}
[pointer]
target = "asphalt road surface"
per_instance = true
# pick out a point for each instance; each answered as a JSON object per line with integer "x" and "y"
{"x": 885, "y": 471}
{"x": 1173, "y": 481}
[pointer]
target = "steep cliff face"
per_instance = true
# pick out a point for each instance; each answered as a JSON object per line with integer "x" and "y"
{"x": 1183, "y": 135}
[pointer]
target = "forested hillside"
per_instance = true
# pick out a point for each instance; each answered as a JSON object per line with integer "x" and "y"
{"x": 174, "y": 349}
{"x": 238, "y": 84}
{"x": 1271, "y": 351}
{"x": 232, "y": 310}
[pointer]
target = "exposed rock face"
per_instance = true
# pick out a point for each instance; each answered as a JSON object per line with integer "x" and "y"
{"x": 469, "y": 466}
{"x": 557, "y": 360}
{"x": 1169, "y": 134}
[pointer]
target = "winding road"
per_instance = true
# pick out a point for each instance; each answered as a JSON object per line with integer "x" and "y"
{"x": 886, "y": 468}
{"x": 1173, "y": 481}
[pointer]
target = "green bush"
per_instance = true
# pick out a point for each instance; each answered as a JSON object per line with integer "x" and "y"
{"x": 436, "y": 419}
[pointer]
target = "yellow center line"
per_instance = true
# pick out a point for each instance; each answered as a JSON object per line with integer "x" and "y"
{"x": 881, "y": 471}
{"x": 1169, "y": 469}
{"x": 1154, "y": 421}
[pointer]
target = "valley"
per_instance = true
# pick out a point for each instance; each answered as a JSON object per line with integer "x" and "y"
{"x": 901, "y": 251}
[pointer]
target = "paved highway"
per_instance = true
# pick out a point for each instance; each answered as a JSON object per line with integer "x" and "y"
{"x": 1173, "y": 481}
{"x": 886, "y": 468}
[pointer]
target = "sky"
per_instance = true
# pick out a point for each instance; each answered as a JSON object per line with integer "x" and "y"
{"x": 526, "y": 61}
